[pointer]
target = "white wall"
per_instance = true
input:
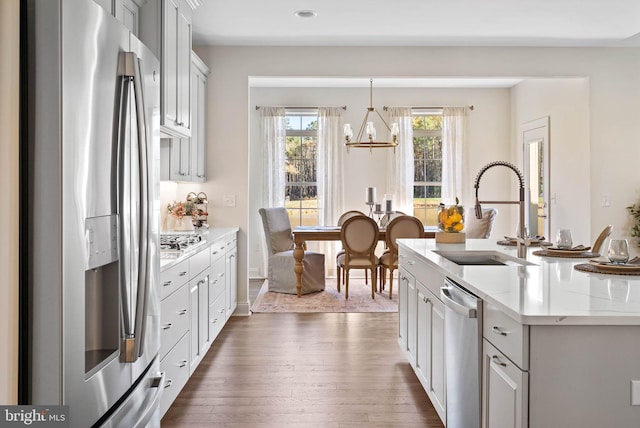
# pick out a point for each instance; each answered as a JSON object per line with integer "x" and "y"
{"x": 9, "y": 126}
{"x": 614, "y": 96}
{"x": 488, "y": 129}
{"x": 566, "y": 102}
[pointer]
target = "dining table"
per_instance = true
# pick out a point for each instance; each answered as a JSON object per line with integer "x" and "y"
{"x": 302, "y": 234}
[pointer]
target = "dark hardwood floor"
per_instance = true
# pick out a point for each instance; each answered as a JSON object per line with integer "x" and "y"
{"x": 304, "y": 370}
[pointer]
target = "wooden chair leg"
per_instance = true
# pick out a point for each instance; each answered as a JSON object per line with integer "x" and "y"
{"x": 338, "y": 277}
{"x": 390, "y": 283}
{"x": 373, "y": 283}
{"x": 346, "y": 283}
{"x": 366, "y": 276}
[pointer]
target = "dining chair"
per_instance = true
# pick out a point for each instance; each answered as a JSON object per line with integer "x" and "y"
{"x": 400, "y": 227}
{"x": 359, "y": 236}
{"x": 339, "y": 273}
{"x": 281, "y": 275}
{"x": 600, "y": 239}
{"x": 480, "y": 228}
{"x": 384, "y": 221}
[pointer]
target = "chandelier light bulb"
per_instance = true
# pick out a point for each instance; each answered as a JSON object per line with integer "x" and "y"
{"x": 348, "y": 132}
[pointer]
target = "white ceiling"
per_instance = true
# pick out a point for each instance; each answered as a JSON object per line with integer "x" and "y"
{"x": 419, "y": 23}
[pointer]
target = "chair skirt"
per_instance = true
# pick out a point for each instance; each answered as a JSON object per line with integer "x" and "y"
{"x": 282, "y": 277}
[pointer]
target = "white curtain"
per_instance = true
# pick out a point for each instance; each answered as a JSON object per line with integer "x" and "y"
{"x": 453, "y": 159}
{"x": 273, "y": 131}
{"x": 400, "y": 177}
{"x": 329, "y": 177}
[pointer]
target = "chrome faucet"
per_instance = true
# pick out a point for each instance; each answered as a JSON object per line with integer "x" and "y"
{"x": 521, "y": 242}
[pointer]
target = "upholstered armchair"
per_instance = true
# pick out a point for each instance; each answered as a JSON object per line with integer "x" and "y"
{"x": 281, "y": 274}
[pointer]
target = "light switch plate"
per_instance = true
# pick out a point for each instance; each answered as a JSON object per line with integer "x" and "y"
{"x": 229, "y": 201}
{"x": 635, "y": 392}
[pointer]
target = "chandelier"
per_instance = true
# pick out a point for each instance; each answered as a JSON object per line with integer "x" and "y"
{"x": 368, "y": 130}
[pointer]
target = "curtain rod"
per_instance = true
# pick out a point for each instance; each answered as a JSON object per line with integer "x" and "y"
{"x": 385, "y": 108}
{"x": 302, "y": 108}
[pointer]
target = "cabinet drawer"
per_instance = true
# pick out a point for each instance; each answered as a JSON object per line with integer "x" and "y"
{"x": 217, "y": 316}
{"x": 216, "y": 279}
{"x": 176, "y": 368}
{"x": 506, "y": 334}
{"x": 174, "y": 319}
{"x": 218, "y": 248}
{"x": 422, "y": 272}
{"x": 174, "y": 277}
{"x": 198, "y": 262}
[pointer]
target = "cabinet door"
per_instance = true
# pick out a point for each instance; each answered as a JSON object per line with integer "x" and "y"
{"x": 180, "y": 163}
{"x": 170, "y": 65}
{"x": 423, "y": 336}
{"x": 198, "y": 130}
{"x": 184, "y": 69}
{"x": 412, "y": 322}
{"x": 194, "y": 347}
{"x": 504, "y": 391}
{"x": 128, "y": 12}
{"x": 436, "y": 352}
{"x": 403, "y": 289}
{"x": 203, "y": 314}
{"x": 231, "y": 281}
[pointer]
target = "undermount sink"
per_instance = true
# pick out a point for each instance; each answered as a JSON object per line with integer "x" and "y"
{"x": 482, "y": 258}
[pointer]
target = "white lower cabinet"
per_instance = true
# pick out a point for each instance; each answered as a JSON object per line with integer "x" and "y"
{"x": 504, "y": 390}
{"x": 421, "y": 329}
{"x": 197, "y": 297}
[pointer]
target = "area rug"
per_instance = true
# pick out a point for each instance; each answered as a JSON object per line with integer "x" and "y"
{"x": 328, "y": 300}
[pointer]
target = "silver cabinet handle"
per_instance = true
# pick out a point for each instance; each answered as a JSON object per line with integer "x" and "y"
{"x": 426, "y": 299}
{"x": 168, "y": 383}
{"x": 214, "y": 253}
{"x": 202, "y": 281}
{"x": 222, "y": 311}
{"x": 496, "y": 360}
{"x": 184, "y": 272}
{"x": 167, "y": 326}
{"x": 221, "y": 274}
{"x": 214, "y": 320}
{"x": 411, "y": 262}
{"x": 182, "y": 312}
{"x": 497, "y": 330}
{"x": 182, "y": 363}
{"x": 166, "y": 283}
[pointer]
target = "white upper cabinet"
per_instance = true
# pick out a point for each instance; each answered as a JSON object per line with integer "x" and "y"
{"x": 199, "y": 73}
{"x": 165, "y": 27}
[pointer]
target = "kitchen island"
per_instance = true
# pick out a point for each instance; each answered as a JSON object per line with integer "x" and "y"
{"x": 560, "y": 347}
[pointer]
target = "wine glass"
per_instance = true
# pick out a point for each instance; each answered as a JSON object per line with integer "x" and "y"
{"x": 618, "y": 251}
{"x": 563, "y": 239}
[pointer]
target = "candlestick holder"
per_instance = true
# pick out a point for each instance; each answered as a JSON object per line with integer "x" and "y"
{"x": 371, "y": 204}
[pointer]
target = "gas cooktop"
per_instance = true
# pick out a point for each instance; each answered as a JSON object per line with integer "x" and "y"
{"x": 177, "y": 244}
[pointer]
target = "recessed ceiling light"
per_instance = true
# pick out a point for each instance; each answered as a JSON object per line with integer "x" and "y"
{"x": 306, "y": 13}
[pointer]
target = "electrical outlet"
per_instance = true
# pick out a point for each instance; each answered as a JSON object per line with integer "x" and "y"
{"x": 635, "y": 392}
{"x": 229, "y": 201}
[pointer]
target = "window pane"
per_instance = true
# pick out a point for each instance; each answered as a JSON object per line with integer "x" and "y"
{"x": 292, "y": 147}
{"x": 433, "y": 170}
{"x": 309, "y": 122}
{"x": 293, "y": 122}
{"x": 307, "y": 171}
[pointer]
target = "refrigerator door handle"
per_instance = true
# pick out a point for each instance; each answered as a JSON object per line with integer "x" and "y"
{"x": 134, "y": 318}
{"x": 143, "y": 159}
{"x": 138, "y": 409}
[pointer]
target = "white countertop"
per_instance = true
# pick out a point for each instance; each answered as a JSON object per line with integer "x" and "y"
{"x": 551, "y": 292}
{"x": 209, "y": 237}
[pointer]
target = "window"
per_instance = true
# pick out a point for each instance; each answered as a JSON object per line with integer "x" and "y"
{"x": 301, "y": 146}
{"x": 427, "y": 152}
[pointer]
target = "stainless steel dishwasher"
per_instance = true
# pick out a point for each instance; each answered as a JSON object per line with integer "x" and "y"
{"x": 463, "y": 354}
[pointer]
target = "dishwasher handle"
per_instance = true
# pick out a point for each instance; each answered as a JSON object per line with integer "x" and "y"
{"x": 465, "y": 311}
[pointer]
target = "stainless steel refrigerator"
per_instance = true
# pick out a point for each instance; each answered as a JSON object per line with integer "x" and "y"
{"x": 92, "y": 184}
